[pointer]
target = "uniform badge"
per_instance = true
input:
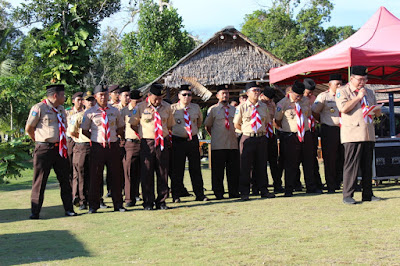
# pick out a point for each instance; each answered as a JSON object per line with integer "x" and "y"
{"x": 34, "y": 113}
{"x": 148, "y": 120}
{"x": 237, "y": 111}
{"x": 178, "y": 121}
{"x": 316, "y": 102}
{"x": 338, "y": 95}
{"x": 278, "y": 109}
{"x": 134, "y": 111}
{"x": 83, "y": 119}
{"x": 332, "y": 110}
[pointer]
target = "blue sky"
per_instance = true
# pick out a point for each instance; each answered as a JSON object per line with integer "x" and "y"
{"x": 203, "y": 18}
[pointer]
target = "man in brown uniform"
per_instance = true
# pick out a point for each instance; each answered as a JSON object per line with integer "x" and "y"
{"x": 326, "y": 111}
{"x": 291, "y": 116}
{"x": 45, "y": 122}
{"x": 357, "y": 134}
{"x": 124, "y": 97}
{"x": 131, "y": 159}
{"x": 185, "y": 143}
{"x": 76, "y": 108}
{"x": 272, "y": 144}
{"x": 251, "y": 118}
{"x": 105, "y": 124}
{"x": 224, "y": 145}
{"x": 154, "y": 117}
{"x": 113, "y": 91}
{"x": 81, "y": 159}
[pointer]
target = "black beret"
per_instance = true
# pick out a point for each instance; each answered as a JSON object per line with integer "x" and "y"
{"x": 243, "y": 94}
{"x": 112, "y": 88}
{"x": 87, "y": 95}
{"x": 220, "y": 88}
{"x": 124, "y": 88}
{"x": 55, "y": 88}
{"x": 135, "y": 95}
{"x": 156, "y": 89}
{"x": 335, "y": 77}
{"x": 251, "y": 85}
{"x": 77, "y": 94}
{"x": 269, "y": 92}
{"x": 298, "y": 87}
{"x": 100, "y": 88}
{"x": 309, "y": 84}
{"x": 184, "y": 88}
{"x": 359, "y": 70}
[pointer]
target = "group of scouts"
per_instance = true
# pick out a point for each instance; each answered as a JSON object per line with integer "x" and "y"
{"x": 136, "y": 136}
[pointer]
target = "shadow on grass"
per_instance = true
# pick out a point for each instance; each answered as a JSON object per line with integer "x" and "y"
{"x": 15, "y": 215}
{"x": 16, "y": 186}
{"x": 42, "y": 246}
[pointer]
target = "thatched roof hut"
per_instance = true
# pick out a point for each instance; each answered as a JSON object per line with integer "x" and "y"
{"x": 228, "y": 58}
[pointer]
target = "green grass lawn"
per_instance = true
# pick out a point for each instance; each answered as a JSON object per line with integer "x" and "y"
{"x": 299, "y": 230}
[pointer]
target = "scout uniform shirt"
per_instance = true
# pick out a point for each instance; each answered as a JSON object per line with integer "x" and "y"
{"x": 70, "y": 114}
{"x": 195, "y": 115}
{"x": 286, "y": 112}
{"x": 92, "y": 120}
{"x": 243, "y": 117}
{"x": 144, "y": 117}
{"x": 325, "y": 105}
{"x": 221, "y": 138}
{"x": 75, "y": 127}
{"x": 126, "y": 113}
{"x": 45, "y": 121}
{"x": 271, "y": 109}
{"x": 354, "y": 128}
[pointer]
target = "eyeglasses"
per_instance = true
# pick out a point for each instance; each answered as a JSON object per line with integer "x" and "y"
{"x": 186, "y": 94}
{"x": 361, "y": 79}
{"x": 255, "y": 90}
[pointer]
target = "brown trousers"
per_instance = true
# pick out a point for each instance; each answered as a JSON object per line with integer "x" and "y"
{"x": 45, "y": 157}
{"x": 297, "y": 152}
{"x": 358, "y": 157}
{"x": 182, "y": 148}
{"x": 332, "y": 152}
{"x": 153, "y": 159}
{"x": 81, "y": 164}
{"x": 131, "y": 164}
{"x": 253, "y": 156}
{"x": 227, "y": 160}
{"x": 109, "y": 157}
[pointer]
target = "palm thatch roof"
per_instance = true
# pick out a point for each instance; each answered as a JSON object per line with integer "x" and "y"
{"x": 228, "y": 58}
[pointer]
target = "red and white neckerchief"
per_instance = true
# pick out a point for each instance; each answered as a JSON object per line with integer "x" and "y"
{"x": 158, "y": 130}
{"x": 300, "y": 123}
{"x": 255, "y": 118}
{"x": 188, "y": 122}
{"x": 170, "y": 137}
{"x": 311, "y": 123}
{"x": 340, "y": 119}
{"x": 227, "y": 124}
{"x": 366, "y": 110}
{"x": 62, "y": 147}
{"x": 270, "y": 130}
{"x": 105, "y": 127}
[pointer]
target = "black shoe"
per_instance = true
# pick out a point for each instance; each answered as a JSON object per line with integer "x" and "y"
{"x": 83, "y": 207}
{"x": 268, "y": 195}
{"x": 76, "y": 202}
{"x": 279, "y": 190}
{"x": 255, "y": 193}
{"x": 162, "y": 206}
{"x": 120, "y": 209}
{"x": 219, "y": 197}
{"x": 244, "y": 197}
{"x": 103, "y": 205}
{"x": 34, "y": 216}
{"x": 314, "y": 191}
{"x": 288, "y": 194}
{"x": 91, "y": 210}
{"x": 349, "y": 200}
{"x": 148, "y": 208}
{"x": 176, "y": 200}
{"x": 130, "y": 204}
{"x": 373, "y": 198}
{"x": 331, "y": 191}
{"x": 204, "y": 198}
{"x": 70, "y": 213}
{"x": 234, "y": 196}
{"x": 185, "y": 194}
{"x": 298, "y": 189}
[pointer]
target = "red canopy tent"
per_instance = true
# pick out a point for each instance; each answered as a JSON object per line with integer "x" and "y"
{"x": 376, "y": 45}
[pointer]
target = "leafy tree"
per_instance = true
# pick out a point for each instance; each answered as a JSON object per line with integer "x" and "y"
{"x": 159, "y": 42}
{"x": 291, "y": 37}
{"x": 69, "y": 28}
